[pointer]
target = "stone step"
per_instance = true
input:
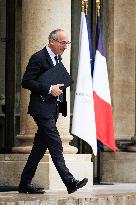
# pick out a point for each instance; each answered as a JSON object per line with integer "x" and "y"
{"x": 119, "y": 194}
{"x": 46, "y": 172}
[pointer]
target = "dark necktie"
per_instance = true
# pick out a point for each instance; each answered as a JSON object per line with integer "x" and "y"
{"x": 56, "y": 59}
{"x": 60, "y": 98}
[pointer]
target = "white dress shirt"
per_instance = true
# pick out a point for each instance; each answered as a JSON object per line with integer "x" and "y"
{"x": 51, "y": 54}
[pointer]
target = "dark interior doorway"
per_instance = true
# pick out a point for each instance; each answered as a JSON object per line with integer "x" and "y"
{"x": 10, "y": 38}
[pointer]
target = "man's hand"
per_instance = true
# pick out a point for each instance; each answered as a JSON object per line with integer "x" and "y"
{"x": 56, "y": 91}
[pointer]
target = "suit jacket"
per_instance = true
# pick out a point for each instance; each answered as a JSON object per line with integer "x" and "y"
{"x": 39, "y": 63}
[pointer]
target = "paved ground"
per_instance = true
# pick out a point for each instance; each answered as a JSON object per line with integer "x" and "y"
{"x": 119, "y": 194}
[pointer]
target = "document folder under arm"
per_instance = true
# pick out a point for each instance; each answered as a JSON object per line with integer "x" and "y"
{"x": 56, "y": 75}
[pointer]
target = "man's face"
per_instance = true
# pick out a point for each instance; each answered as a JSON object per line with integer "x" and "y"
{"x": 58, "y": 46}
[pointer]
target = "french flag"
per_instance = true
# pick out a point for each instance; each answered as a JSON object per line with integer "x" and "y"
{"x": 101, "y": 92}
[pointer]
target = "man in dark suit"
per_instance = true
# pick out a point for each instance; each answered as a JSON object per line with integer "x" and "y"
{"x": 44, "y": 110}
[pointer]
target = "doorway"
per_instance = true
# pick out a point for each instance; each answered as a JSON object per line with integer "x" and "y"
{"x": 10, "y": 52}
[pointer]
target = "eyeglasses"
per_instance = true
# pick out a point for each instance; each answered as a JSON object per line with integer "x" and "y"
{"x": 63, "y": 42}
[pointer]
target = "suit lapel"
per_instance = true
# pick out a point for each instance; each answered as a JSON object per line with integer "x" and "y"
{"x": 48, "y": 57}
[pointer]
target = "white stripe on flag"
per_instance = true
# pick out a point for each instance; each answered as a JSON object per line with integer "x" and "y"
{"x": 100, "y": 78}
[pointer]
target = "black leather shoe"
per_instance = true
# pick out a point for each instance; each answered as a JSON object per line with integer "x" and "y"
{"x": 77, "y": 185}
{"x": 30, "y": 189}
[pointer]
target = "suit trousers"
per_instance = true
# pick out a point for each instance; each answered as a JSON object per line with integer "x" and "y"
{"x": 47, "y": 136}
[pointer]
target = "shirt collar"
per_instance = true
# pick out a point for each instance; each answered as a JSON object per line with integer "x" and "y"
{"x": 52, "y": 55}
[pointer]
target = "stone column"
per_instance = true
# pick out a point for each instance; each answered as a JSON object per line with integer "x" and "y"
{"x": 132, "y": 148}
{"x": 39, "y": 18}
{"x": 122, "y": 53}
{"x": 122, "y": 64}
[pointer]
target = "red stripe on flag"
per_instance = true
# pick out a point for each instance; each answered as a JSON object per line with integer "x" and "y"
{"x": 104, "y": 122}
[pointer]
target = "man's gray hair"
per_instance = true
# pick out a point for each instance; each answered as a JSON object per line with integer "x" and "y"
{"x": 53, "y": 34}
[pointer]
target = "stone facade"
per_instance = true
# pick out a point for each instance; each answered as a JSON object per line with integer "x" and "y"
{"x": 38, "y": 19}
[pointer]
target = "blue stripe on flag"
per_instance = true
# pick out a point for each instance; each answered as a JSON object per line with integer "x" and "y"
{"x": 90, "y": 45}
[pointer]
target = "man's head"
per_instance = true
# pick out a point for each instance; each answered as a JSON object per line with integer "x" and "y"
{"x": 58, "y": 41}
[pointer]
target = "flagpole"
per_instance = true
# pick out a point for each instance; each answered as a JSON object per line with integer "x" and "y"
{"x": 99, "y": 151}
{"x": 84, "y": 6}
{"x": 98, "y": 2}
